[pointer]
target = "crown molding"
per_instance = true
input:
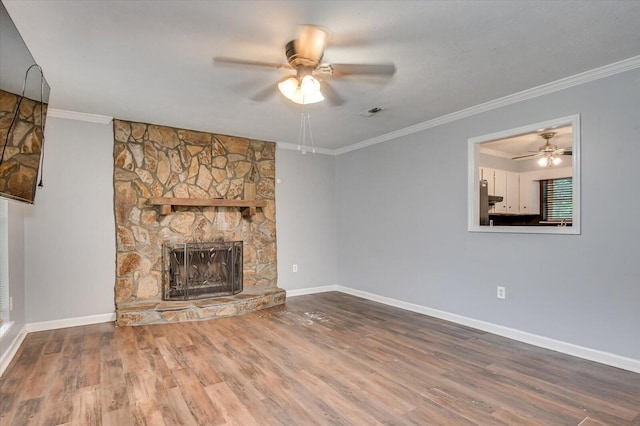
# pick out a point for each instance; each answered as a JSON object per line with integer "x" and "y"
{"x": 294, "y": 147}
{"x": 80, "y": 116}
{"x": 496, "y": 153}
{"x": 555, "y": 86}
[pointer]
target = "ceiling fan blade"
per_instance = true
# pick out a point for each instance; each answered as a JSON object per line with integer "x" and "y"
{"x": 349, "y": 69}
{"x": 330, "y": 94}
{"x": 311, "y": 42}
{"x": 221, "y": 60}
{"x": 265, "y": 93}
{"x": 567, "y": 152}
{"x": 524, "y": 156}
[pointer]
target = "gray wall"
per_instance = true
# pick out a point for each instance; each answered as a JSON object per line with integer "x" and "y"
{"x": 70, "y": 231}
{"x": 402, "y": 209}
{"x": 306, "y": 223}
{"x": 391, "y": 220}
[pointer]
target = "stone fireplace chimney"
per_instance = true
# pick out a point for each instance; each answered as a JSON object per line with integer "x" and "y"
{"x": 157, "y": 161}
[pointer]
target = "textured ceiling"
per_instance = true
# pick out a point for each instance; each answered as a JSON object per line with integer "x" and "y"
{"x": 152, "y": 61}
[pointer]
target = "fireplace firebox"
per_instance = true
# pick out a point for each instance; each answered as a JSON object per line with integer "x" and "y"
{"x": 201, "y": 270}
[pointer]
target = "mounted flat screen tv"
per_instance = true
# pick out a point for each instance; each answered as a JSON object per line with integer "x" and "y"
{"x": 24, "y": 96}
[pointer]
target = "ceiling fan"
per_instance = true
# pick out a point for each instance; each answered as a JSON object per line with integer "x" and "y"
{"x": 549, "y": 153}
{"x": 304, "y": 55}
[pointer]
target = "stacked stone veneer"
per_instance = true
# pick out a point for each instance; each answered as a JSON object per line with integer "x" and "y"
{"x": 19, "y": 166}
{"x": 158, "y": 161}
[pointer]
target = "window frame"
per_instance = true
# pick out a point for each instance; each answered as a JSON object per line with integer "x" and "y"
{"x": 4, "y": 262}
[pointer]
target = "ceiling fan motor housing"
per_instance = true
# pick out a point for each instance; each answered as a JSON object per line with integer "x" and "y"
{"x": 548, "y": 147}
{"x": 295, "y": 60}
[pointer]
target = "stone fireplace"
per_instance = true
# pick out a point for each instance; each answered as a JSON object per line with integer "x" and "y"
{"x": 199, "y": 169}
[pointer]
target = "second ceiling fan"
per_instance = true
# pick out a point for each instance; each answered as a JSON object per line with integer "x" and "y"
{"x": 309, "y": 84}
{"x": 549, "y": 153}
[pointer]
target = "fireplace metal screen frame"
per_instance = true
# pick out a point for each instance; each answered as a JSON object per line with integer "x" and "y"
{"x": 178, "y": 286}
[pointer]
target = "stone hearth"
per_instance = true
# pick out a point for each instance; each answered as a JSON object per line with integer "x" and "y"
{"x": 158, "y": 161}
{"x": 153, "y": 312}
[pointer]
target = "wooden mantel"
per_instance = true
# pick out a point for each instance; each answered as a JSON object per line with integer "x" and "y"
{"x": 165, "y": 203}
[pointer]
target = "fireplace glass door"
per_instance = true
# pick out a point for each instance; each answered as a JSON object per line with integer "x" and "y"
{"x": 202, "y": 270}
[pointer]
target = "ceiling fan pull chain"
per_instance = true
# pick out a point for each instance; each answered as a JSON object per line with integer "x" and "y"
{"x": 304, "y": 134}
{"x": 305, "y": 122}
{"x": 301, "y": 132}
{"x": 313, "y": 146}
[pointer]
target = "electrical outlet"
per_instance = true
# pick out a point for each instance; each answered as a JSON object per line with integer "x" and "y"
{"x": 10, "y": 303}
{"x": 502, "y": 293}
{"x": 295, "y": 267}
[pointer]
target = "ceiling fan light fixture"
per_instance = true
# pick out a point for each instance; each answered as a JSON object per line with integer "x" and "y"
{"x": 288, "y": 87}
{"x": 309, "y": 86}
{"x": 549, "y": 160}
{"x": 306, "y": 91}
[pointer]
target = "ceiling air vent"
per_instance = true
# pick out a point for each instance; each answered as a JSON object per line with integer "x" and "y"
{"x": 370, "y": 112}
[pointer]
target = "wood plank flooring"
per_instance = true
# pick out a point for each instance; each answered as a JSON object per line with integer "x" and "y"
{"x": 321, "y": 359}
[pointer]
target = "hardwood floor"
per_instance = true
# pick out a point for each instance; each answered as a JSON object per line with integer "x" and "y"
{"x": 327, "y": 358}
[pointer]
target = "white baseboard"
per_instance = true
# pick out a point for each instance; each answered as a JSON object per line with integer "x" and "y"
{"x": 601, "y": 357}
{"x": 4, "y": 328}
{"x": 7, "y": 356}
{"x": 70, "y": 322}
{"x": 311, "y": 290}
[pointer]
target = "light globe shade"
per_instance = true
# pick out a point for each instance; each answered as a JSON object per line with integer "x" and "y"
{"x": 556, "y": 161}
{"x": 307, "y": 92}
{"x": 543, "y": 161}
{"x": 309, "y": 86}
{"x": 288, "y": 87}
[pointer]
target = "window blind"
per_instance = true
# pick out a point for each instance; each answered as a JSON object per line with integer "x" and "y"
{"x": 4, "y": 260}
{"x": 557, "y": 199}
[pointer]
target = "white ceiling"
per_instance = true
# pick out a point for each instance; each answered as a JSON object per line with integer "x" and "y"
{"x": 151, "y": 61}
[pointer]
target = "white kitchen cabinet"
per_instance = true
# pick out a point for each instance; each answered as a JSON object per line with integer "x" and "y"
{"x": 512, "y": 187}
{"x": 512, "y": 192}
{"x": 529, "y": 195}
{"x": 500, "y": 189}
{"x": 520, "y": 191}
{"x": 496, "y": 185}
{"x": 486, "y": 173}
